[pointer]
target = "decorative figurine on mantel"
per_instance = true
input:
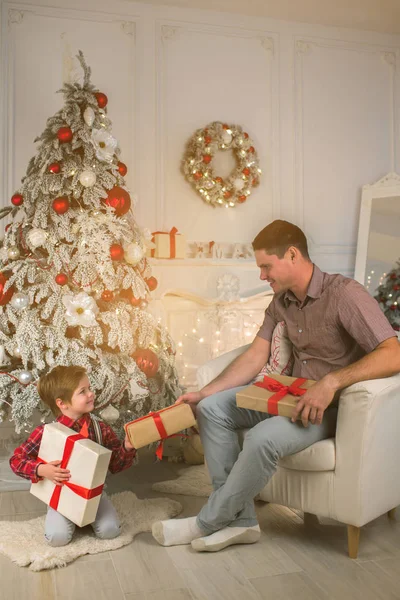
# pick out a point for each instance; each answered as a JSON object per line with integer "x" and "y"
{"x": 216, "y": 251}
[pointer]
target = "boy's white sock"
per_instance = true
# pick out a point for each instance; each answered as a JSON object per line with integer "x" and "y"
{"x": 227, "y": 537}
{"x": 175, "y": 532}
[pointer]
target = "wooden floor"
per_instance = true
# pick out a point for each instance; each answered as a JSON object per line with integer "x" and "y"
{"x": 292, "y": 561}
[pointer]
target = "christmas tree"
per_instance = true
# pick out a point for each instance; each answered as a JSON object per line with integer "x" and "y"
{"x": 74, "y": 280}
{"x": 388, "y": 297}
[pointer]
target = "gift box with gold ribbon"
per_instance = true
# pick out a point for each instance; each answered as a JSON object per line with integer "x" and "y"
{"x": 78, "y": 498}
{"x": 160, "y": 425}
{"x": 276, "y": 394}
{"x": 168, "y": 244}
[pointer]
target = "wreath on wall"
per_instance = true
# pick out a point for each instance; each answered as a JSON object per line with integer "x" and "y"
{"x": 198, "y": 169}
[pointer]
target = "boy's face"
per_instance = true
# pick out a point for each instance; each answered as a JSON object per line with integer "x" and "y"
{"x": 82, "y": 401}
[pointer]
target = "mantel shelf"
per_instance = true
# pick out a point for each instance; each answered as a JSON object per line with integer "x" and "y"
{"x": 204, "y": 262}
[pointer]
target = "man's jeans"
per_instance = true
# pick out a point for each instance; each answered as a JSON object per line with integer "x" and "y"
{"x": 239, "y": 475}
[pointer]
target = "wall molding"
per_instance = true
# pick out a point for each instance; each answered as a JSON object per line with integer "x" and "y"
{"x": 303, "y": 46}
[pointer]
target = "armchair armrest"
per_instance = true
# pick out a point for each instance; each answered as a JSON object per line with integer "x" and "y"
{"x": 367, "y": 481}
{"x": 211, "y": 369}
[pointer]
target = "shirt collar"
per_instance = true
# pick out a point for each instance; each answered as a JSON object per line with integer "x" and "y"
{"x": 314, "y": 287}
{"x": 71, "y": 423}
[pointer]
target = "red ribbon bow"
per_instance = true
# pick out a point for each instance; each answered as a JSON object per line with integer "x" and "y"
{"x": 172, "y": 243}
{"x": 78, "y": 489}
{"x": 281, "y": 390}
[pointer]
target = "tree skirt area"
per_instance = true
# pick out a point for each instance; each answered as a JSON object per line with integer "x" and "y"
{"x": 24, "y": 543}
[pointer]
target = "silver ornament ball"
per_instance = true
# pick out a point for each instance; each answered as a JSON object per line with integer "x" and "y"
{"x": 25, "y": 377}
{"x": 89, "y": 116}
{"x": 87, "y": 178}
{"x": 19, "y": 301}
{"x": 13, "y": 253}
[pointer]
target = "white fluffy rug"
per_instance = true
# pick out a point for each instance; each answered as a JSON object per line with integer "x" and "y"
{"x": 23, "y": 541}
{"x": 192, "y": 481}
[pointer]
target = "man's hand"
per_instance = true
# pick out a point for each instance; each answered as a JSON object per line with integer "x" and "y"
{"x": 53, "y": 472}
{"x": 313, "y": 403}
{"x": 191, "y": 398}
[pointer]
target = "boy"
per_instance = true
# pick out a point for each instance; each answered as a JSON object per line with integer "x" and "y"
{"x": 66, "y": 391}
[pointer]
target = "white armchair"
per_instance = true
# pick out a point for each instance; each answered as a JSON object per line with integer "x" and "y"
{"x": 353, "y": 478}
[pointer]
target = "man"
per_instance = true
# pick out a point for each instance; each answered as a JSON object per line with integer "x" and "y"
{"x": 340, "y": 337}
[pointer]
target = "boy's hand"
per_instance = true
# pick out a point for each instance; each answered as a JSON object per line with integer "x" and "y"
{"x": 53, "y": 472}
{"x": 127, "y": 444}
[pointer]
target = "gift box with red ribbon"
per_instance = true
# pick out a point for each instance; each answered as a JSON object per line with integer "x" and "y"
{"x": 160, "y": 425}
{"x": 168, "y": 244}
{"x": 276, "y": 394}
{"x": 77, "y": 499}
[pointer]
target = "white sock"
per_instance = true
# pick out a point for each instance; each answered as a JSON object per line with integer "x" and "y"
{"x": 227, "y": 537}
{"x": 174, "y": 532}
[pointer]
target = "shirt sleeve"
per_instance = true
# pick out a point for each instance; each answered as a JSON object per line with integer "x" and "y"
{"x": 270, "y": 322}
{"x": 120, "y": 458}
{"x": 361, "y": 316}
{"x": 24, "y": 460}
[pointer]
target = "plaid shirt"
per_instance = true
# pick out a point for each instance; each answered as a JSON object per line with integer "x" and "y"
{"x": 24, "y": 460}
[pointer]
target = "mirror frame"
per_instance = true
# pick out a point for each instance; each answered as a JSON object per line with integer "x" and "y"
{"x": 384, "y": 188}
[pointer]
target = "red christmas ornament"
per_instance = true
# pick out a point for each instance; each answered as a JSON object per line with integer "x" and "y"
{"x": 206, "y": 159}
{"x": 65, "y": 135}
{"x": 116, "y": 252}
{"x": 245, "y": 135}
{"x": 107, "y": 296}
{"x": 101, "y": 99}
{"x": 152, "y": 283}
{"x": 393, "y": 307}
{"x": 147, "y": 361}
{"x": 225, "y": 126}
{"x": 246, "y": 171}
{"x": 61, "y": 205}
{"x": 17, "y": 200}
{"x": 392, "y": 276}
{"x": 5, "y": 297}
{"x": 208, "y": 139}
{"x": 128, "y": 295}
{"x": 255, "y": 182}
{"x": 219, "y": 180}
{"x": 396, "y": 288}
{"x": 227, "y": 195}
{"x": 242, "y": 199}
{"x": 118, "y": 199}
{"x": 122, "y": 169}
{"x": 198, "y": 175}
{"x": 54, "y": 168}
{"x": 251, "y": 150}
{"x": 61, "y": 279}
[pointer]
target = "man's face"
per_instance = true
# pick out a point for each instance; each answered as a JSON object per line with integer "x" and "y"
{"x": 278, "y": 272}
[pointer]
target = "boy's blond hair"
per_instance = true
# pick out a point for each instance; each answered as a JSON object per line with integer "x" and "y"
{"x": 60, "y": 382}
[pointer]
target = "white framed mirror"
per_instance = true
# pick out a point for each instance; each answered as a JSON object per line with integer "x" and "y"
{"x": 378, "y": 246}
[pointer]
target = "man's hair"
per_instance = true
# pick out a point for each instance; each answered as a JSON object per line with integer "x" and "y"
{"x": 278, "y": 236}
{"x": 60, "y": 382}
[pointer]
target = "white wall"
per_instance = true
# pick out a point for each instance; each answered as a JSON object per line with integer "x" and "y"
{"x": 321, "y": 104}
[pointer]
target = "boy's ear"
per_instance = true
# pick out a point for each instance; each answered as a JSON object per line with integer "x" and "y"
{"x": 61, "y": 404}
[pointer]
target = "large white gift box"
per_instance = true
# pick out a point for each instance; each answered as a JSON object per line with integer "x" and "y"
{"x": 79, "y": 498}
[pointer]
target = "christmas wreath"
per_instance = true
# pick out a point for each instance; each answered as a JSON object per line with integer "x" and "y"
{"x": 198, "y": 169}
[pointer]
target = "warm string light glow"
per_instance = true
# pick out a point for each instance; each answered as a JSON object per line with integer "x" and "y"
{"x": 213, "y": 334}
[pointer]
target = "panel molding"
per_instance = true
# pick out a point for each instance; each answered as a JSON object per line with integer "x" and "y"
{"x": 303, "y": 46}
{"x": 169, "y": 32}
{"x": 14, "y": 15}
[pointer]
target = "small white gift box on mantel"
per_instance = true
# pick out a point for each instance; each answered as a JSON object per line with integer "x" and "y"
{"x": 79, "y": 498}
